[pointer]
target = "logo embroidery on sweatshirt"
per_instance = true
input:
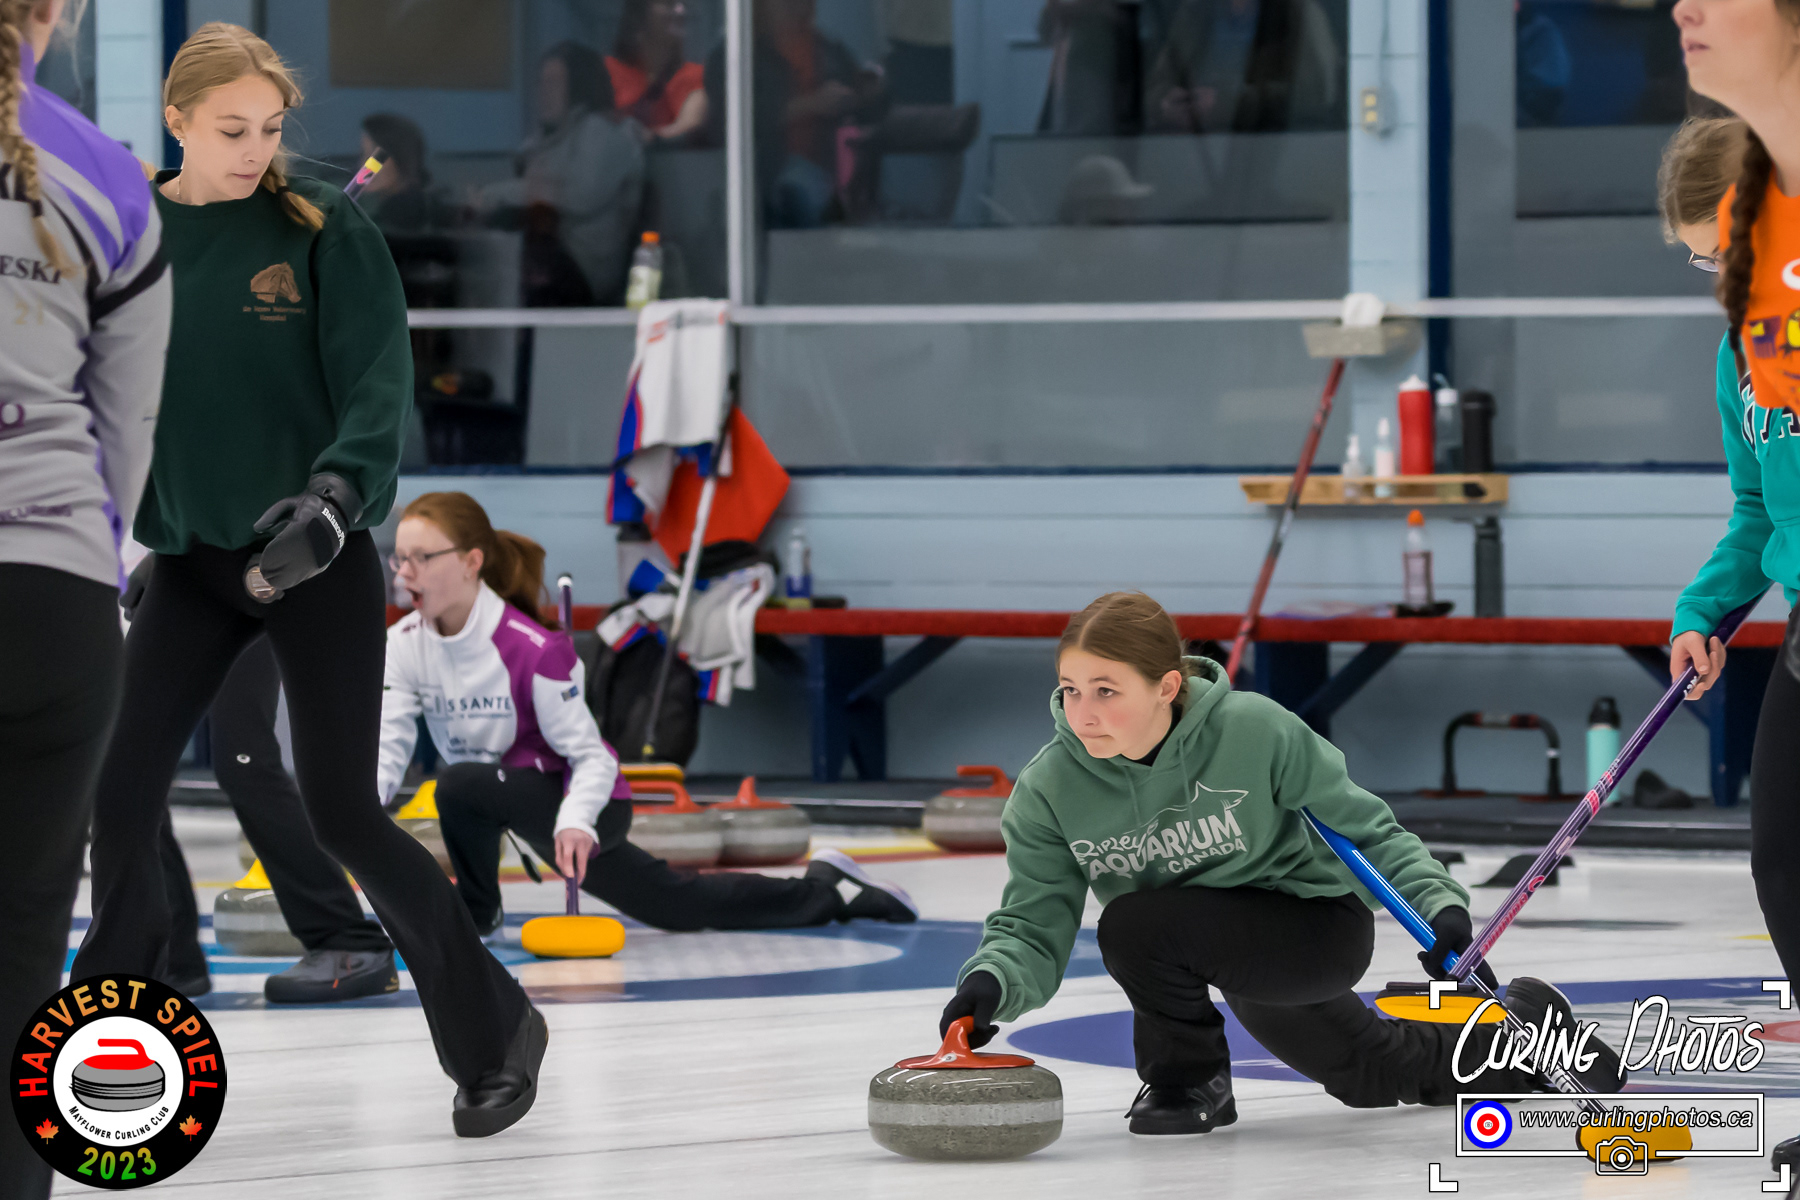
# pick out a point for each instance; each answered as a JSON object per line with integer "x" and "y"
{"x": 279, "y": 292}
{"x": 1172, "y": 844}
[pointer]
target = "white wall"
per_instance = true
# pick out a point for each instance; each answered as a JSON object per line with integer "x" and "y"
{"x": 1596, "y": 545}
{"x": 128, "y": 74}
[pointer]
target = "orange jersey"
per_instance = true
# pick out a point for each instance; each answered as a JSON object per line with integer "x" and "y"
{"x": 1771, "y": 332}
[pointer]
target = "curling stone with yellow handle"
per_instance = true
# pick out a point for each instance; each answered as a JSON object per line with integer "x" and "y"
{"x": 968, "y": 819}
{"x": 682, "y": 834}
{"x": 419, "y": 817}
{"x": 663, "y": 772}
{"x": 761, "y": 833}
{"x": 573, "y": 935}
{"x": 248, "y": 921}
{"x": 1412, "y": 1002}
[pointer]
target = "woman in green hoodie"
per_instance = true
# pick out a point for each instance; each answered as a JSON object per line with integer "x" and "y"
{"x": 1177, "y": 802}
{"x": 288, "y": 382}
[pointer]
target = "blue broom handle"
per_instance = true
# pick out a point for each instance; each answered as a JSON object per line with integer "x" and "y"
{"x": 1370, "y": 877}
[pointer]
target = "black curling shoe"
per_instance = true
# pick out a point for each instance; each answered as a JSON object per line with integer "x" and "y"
{"x": 1531, "y": 1000}
{"x": 324, "y": 976}
{"x": 1184, "y": 1109}
{"x": 505, "y": 1095}
{"x": 1787, "y": 1154}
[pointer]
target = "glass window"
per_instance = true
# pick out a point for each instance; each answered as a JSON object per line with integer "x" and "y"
{"x": 923, "y": 151}
{"x": 531, "y": 147}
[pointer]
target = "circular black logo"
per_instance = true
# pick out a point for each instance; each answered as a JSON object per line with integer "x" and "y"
{"x": 118, "y": 1081}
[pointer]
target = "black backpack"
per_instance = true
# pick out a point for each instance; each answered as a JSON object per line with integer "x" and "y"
{"x": 619, "y": 685}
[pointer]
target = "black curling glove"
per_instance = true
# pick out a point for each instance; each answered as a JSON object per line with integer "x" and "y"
{"x": 1454, "y": 933}
{"x": 316, "y": 523}
{"x": 135, "y": 583}
{"x": 978, "y": 997}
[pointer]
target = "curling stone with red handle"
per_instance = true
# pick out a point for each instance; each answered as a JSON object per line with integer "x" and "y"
{"x": 682, "y": 834}
{"x": 968, "y": 819}
{"x": 761, "y": 833}
{"x": 960, "y": 1106}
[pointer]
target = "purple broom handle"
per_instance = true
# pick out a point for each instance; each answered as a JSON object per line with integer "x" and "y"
{"x": 1589, "y": 808}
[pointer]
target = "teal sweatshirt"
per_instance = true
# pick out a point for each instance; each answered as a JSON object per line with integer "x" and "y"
{"x": 288, "y": 356}
{"x": 1220, "y": 807}
{"x": 1762, "y": 542}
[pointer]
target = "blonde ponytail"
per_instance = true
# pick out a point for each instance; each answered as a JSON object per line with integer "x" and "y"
{"x": 18, "y": 149}
{"x": 220, "y": 53}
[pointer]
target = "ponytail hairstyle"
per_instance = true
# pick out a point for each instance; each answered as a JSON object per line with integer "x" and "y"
{"x": 511, "y": 563}
{"x": 17, "y": 148}
{"x": 1698, "y": 166}
{"x": 1752, "y": 185}
{"x": 1131, "y": 628}
{"x": 218, "y": 54}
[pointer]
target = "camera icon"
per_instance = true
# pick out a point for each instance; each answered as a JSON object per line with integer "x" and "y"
{"x": 1621, "y": 1155}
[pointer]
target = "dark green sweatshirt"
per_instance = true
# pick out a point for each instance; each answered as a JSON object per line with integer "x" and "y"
{"x": 288, "y": 355}
{"x": 1220, "y": 807}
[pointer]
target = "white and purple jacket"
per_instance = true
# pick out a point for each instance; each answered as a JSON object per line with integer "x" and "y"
{"x": 505, "y": 690}
{"x": 81, "y": 356}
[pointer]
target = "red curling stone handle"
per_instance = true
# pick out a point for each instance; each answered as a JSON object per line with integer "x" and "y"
{"x": 955, "y": 1054}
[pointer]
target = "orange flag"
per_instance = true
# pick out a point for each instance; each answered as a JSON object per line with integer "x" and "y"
{"x": 742, "y": 504}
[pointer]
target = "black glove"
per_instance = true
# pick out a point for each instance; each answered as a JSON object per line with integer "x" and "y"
{"x": 1454, "y": 933}
{"x": 317, "y": 522}
{"x": 978, "y": 997}
{"x": 135, "y": 583}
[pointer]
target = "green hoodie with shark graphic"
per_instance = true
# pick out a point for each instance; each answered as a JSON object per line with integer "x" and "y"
{"x": 1220, "y": 807}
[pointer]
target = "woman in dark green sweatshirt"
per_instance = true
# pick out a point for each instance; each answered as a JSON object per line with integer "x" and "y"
{"x": 1177, "y": 802}
{"x": 288, "y": 381}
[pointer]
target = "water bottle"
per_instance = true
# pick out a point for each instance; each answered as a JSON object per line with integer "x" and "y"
{"x": 645, "y": 281}
{"x": 1384, "y": 458}
{"x": 1418, "y": 429}
{"x": 1416, "y": 591}
{"x": 797, "y": 580}
{"x": 1354, "y": 470}
{"x": 1449, "y": 430}
{"x": 1603, "y": 742}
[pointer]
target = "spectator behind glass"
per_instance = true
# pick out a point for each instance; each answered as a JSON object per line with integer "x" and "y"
{"x": 396, "y": 199}
{"x": 1543, "y": 67}
{"x": 1248, "y": 66}
{"x": 1095, "y": 68}
{"x": 806, "y": 86}
{"x": 651, "y": 81}
{"x": 580, "y": 185}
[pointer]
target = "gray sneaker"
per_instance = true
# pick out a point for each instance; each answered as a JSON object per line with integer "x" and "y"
{"x": 324, "y": 976}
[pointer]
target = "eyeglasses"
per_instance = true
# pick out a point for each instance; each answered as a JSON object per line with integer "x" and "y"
{"x": 1706, "y": 262}
{"x": 418, "y": 561}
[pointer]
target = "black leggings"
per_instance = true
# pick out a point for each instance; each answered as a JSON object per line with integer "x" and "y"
{"x": 1775, "y": 803}
{"x": 59, "y": 689}
{"x": 328, "y": 637}
{"x": 477, "y": 802}
{"x": 1286, "y": 967}
{"x": 316, "y": 900}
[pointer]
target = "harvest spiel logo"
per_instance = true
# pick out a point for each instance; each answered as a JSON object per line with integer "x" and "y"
{"x": 118, "y": 1081}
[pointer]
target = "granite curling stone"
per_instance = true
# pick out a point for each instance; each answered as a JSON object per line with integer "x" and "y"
{"x": 761, "y": 833}
{"x": 682, "y": 834}
{"x": 248, "y": 921}
{"x": 118, "y": 1082}
{"x": 960, "y": 1106}
{"x": 968, "y": 819}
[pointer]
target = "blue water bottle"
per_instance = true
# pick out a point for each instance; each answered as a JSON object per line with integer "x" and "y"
{"x": 797, "y": 571}
{"x": 1603, "y": 742}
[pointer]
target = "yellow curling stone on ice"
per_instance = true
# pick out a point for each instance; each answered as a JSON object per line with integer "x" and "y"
{"x": 419, "y": 817}
{"x": 247, "y": 921}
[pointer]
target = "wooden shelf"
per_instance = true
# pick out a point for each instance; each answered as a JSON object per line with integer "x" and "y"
{"x": 1410, "y": 491}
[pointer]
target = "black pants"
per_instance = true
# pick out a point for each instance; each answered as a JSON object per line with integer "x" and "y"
{"x": 1775, "y": 803}
{"x": 59, "y": 689}
{"x": 316, "y": 900}
{"x": 477, "y": 802}
{"x": 1286, "y": 967}
{"x": 328, "y": 637}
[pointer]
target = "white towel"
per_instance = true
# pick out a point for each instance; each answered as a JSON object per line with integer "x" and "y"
{"x": 680, "y": 370}
{"x": 718, "y": 631}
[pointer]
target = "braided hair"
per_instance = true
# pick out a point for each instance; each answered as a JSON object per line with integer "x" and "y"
{"x": 1754, "y": 173}
{"x": 19, "y": 151}
{"x": 220, "y": 53}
